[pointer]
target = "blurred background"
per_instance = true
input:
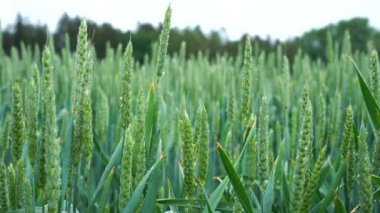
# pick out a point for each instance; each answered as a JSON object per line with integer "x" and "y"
{"x": 209, "y": 26}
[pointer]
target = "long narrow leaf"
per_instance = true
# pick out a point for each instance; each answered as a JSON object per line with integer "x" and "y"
{"x": 153, "y": 186}
{"x": 195, "y": 203}
{"x": 209, "y": 209}
{"x": 339, "y": 207}
{"x": 137, "y": 193}
{"x": 369, "y": 98}
{"x": 114, "y": 160}
{"x": 216, "y": 196}
{"x": 106, "y": 191}
{"x": 268, "y": 194}
{"x": 235, "y": 180}
{"x": 150, "y": 120}
{"x": 330, "y": 195}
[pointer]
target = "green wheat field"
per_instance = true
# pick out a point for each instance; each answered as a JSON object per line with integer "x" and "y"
{"x": 179, "y": 133}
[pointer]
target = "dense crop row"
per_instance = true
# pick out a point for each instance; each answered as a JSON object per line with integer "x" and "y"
{"x": 186, "y": 134}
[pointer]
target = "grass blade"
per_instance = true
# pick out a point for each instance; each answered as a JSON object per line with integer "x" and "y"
{"x": 106, "y": 191}
{"x": 235, "y": 180}
{"x": 153, "y": 186}
{"x": 150, "y": 121}
{"x": 330, "y": 195}
{"x": 216, "y": 196}
{"x": 137, "y": 193}
{"x": 209, "y": 209}
{"x": 268, "y": 193}
{"x": 369, "y": 98}
{"x": 339, "y": 206}
{"x": 195, "y": 203}
{"x": 114, "y": 160}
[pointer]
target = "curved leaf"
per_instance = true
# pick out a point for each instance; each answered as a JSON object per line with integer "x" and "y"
{"x": 114, "y": 160}
{"x": 235, "y": 180}
{"x": 369, "y": 98}
{"x": 137, "y": 193}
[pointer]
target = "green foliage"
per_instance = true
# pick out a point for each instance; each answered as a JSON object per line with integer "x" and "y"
{"x": 235, "y": 180}
{"x": 270, "y": 164}
{"x": 376, "y": 155}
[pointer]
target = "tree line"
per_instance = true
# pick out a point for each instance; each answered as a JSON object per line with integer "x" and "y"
{"x": 314, "y": 42}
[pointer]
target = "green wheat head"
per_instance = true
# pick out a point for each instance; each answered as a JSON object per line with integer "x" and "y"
{"x": 4, "y": 200}
{"x": 20, "y": 184}
{"x": 52, "y": 187}
{"x": 312, "y": 183}
{"x": 164, "y": 40}
{"x": 246, "y": 81}
{"x": 12, "y": 187}
{"x": 126, "y": 170}
{"x": 139, "y": 148}
{"x": 87, "y": 134}
{"x": 188, "y": 156}
{"x": 5, "y": 136}
{"x": 32, "y": 115}
{"x": 203, "y": 143}
{"x": 302, "y": 159}
{"x": 263, "y": 143}
{"x": 375, "y": 81}
{"x": 364, "y": 179}
{"x": 17, "y": 134}
{"x": 125, "y": 99}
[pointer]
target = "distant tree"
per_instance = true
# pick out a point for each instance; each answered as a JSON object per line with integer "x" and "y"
{"x": 313, "y": 43}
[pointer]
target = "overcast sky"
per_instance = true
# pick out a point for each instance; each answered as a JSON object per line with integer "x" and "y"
{"x": 280, "y": 19}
